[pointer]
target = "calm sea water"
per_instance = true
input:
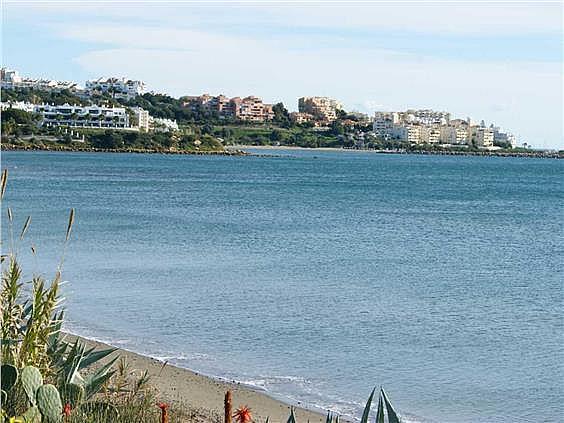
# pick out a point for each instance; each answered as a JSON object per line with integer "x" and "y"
{"x": 318, "y": 275}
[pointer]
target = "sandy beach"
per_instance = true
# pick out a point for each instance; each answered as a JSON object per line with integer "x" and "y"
{"x": 177, "y": 385}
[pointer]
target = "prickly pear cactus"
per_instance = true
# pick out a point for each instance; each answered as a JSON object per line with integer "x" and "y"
{"x": 31, "y": 380}
{"x": 73, "y": 394}
{"x": 49, "y": 403}
{"x": 8, "y": 376}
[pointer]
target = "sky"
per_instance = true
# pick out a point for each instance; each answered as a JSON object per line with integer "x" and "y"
{"x": 500, "y": 62}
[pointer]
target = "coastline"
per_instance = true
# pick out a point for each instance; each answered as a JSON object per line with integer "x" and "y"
{"x": 176, "y": 385}
{"x": 532, "y": 154}
{"x": 240, "y": 150}
{"x": 63, "y": 149}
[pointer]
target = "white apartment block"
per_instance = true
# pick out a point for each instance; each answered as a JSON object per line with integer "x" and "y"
{"x": 19, "y": 105}
{"x": 162, "y": 124}
{"x": 454, "y": 135}
{"x": 383, "y": 125}
{"x": 430, "y": 135}
{"x": 501, "y": 137}
{"x": 424, "y": 117}
{"x": 407, "y": 133}
{"x": 482, "y": 136}
{"x": 143, "y": 118}
{"x": 11, "y": 79}
{"x": 117, "y": 87}
{"x": 83, "y": 116}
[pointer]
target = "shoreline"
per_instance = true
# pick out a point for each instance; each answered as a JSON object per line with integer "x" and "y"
{"x": 63, "y": 149}
{"x": 178, "y": 385}
{"x": 532, "y": 154}
{"x": 239, "y": 150}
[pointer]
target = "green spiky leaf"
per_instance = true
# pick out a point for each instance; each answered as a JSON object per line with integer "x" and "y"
{"x": 366, "y": 411}
{"x": 292, "y": 417}
{"x": 95, "y": 381}
{"x": 380, "y": 413}
{"x": 392, "y": 415}
{"x": 91, "y": 357}
{"x": 73, "y": 394}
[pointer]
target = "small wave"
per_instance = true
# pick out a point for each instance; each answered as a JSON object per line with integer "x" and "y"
{"x": 181, "y": 357}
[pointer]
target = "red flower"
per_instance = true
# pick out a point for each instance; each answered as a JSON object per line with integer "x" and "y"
{"x": 67, "y": 410}
{"x": 243, "y": 414}
{"x": 164, "y": 411}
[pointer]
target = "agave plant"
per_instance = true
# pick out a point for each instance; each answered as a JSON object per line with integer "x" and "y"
{"x": 380, "y": 417}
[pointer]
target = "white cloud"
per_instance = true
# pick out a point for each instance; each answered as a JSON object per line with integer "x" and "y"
{"x": 440, "y": 17}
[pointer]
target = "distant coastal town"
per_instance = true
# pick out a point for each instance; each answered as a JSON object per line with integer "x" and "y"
{"x": 119, "y": 113}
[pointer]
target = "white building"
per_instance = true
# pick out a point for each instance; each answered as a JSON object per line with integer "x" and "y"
{"x": 430, "y": 134}
{"x": 143, "y": 118}
{"x": 19, "y": 105}
{"x": 501, "y": 138}
{"x": 117, "y": 87}
{"x": 383, "y": 125}
{"x": 454, "y": 135}
{"x": 83, "y": 116}
{"x": 11, "y": 79}
{"x": 482, "y": 136}
{"x": 424, "y": 117}
{"x": 162, "y": 125}
{"x": 407, "y": 133}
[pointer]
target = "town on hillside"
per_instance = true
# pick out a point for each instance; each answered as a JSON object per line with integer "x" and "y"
{"x": 121, "y": 104}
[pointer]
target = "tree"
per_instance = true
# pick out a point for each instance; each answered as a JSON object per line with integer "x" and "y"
{"x": 281, "y": 115}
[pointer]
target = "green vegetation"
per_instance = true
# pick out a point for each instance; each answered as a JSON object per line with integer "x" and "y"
{"x": 200, "y": 131}
{"x": 20, "y": 130}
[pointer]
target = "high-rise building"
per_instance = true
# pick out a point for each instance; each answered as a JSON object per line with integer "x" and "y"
{"x": 322, "y": 108}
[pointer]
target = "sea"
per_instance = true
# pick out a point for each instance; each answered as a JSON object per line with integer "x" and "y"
{"x": 315, "y": 275}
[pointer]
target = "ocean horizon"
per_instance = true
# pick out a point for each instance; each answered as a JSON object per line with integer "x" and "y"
{"x": 316, "y": 275}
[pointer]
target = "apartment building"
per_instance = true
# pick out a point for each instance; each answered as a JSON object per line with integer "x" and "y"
{"x": 83, "y": 116}
{"x": 250, "y": 109}
{"x": 503, "y": 138}
{"x": 162, "y": 124}
{"x": 383, "y": 125}
{"x": 298, "y": 117}
{"x": 430, "y": 135}
{"x": 117, "y": 87}
{"x": 482, "y": 136}
{"x": 407, "y": 133}
{"x": 142, "y": 117}
{"x": 424, "y": 117}
{"x": 454, "y": 135}
{"x": 11, "y": 79}
{"x": 322, "y": 108}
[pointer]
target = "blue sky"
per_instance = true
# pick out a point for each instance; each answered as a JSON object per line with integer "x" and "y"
{"x": 500, "y": 62}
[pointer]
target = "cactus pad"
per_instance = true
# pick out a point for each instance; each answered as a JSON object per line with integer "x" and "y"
{"x": 49, "y": 403}
{"x": 8, "y": 376}
{"x": 31, "y": 380}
